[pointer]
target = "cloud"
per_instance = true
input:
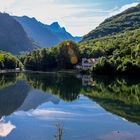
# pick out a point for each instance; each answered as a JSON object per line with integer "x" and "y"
{"x": 69, "y": 113}
{"x": 5, "y": 4}
{"x": 45, "y": 114}
{"x": 6, "y": 128}
{"x": 96, "y": 20}
{"x": 123, "y": 8}
{"x": 78, "y": 17}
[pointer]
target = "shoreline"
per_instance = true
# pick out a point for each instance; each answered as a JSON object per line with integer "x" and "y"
{"x": 10, "y": 71}
{"x": 67, "y": 71}
{"x": 53, "y": 71}
{"x": 38, "y": 72}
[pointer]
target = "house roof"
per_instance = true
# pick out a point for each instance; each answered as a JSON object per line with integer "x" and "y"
{"x": 85, "y": 60}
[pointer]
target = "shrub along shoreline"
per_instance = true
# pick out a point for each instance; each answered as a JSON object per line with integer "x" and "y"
{"x": 9, "y": 63}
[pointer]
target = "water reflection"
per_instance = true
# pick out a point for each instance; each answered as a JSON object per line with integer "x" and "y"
{"x": 119, "y": 96}
{"x": 66, "y": 87}
{"x": 7, "y": 80}
{"x": 23, "y": 94}
{"x": 5, "y": 128}
{"x": 12, "y": 96}
{"x": 36, "y": 98}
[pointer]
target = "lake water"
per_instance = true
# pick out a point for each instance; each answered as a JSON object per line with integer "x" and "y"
{"x": 40, "y": 106}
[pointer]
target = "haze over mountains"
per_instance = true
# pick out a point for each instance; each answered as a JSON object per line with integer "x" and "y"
{"x": 45, "y": 35}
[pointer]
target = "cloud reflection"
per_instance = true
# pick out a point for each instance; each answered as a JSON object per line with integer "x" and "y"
{"x": 6, "y": 128}
{"x": 45, "y": 114}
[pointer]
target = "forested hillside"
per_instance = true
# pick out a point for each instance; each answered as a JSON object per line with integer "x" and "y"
{"x": 125, "y": 21}
{"x": 115, "y": 43}
{"x": 116, "y": 54}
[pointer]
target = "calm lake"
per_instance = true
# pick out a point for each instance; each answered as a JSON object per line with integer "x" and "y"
{"x": 39, "y": 106}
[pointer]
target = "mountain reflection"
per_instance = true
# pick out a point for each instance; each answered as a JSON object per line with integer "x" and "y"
{"x": 36, "y": 98}
{"x": 12, "y": 96}
{"x": 22, "y": 92}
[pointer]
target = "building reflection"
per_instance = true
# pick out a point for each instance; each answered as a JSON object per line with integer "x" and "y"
{"x": 87, "y": 80}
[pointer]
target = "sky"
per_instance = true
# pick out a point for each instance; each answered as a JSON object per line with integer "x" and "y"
{"x": 78, "y": 16}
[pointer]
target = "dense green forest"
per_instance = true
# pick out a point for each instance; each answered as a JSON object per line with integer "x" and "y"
{"x": 8, "y": 61}
{"x": 63, "y": 56}
{"x": 116, "y": 54}
{"x": 116, "y": 44}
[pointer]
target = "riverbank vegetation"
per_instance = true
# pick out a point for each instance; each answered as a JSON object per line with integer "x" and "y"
{"x": 8, "y": 61}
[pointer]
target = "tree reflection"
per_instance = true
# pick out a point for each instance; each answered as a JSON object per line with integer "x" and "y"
{"x": 66, "y": 87}
{"x": 7, "y": 80}
{"x": 117, "y": 95}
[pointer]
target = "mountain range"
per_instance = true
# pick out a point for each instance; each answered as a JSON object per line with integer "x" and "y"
{"x": 13, "y": 38}
{"x": 125, "y": 21}
{"x": 45, "y": 35}
{"x": 24, "y": 34}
